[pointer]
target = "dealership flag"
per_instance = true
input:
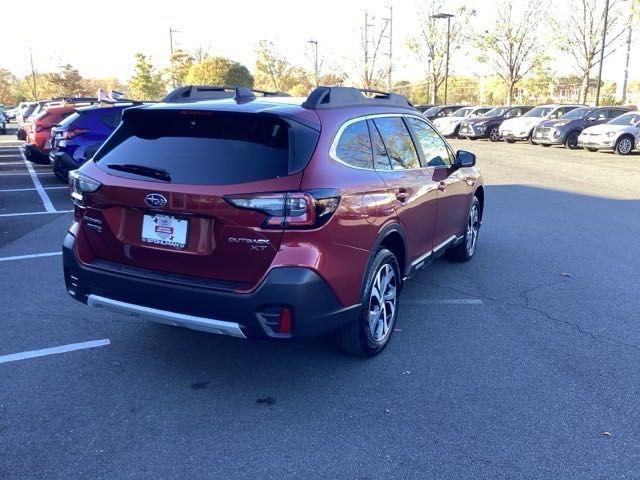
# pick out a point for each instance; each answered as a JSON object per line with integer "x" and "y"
{"x": 116, "y": 95}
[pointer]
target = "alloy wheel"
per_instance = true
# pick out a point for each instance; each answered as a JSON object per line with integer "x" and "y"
{"x": 494, "y": 134}
{"x": 473, "y": 225}
{"x": 382, "y": 303}
{"x": 624, "y": 146}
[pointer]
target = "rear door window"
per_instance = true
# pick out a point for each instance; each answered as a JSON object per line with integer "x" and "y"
{"x": 354, "y": 146}
{"x": 380, "y": 158}
{"x": 398, "y": 143}
{"x": 434, "y": 149}
{"x": 209, "y": 147}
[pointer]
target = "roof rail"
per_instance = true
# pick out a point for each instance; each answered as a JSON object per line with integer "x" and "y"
{"x": 195, "y": 93}
{"x": 337, "y": 97}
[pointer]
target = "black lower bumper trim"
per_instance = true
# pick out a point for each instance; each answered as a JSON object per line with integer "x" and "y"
{"x": 315, "y": 308}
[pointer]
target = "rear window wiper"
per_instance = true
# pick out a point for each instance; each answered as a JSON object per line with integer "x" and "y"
{"x": 157, "y": 173}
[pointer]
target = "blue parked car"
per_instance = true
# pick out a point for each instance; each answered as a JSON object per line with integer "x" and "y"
{"x": 78, "y": 137}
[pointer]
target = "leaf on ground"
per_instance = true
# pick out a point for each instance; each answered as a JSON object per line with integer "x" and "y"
{"x": 266, "y": 400}
{"x": 565, "y": 274}
{"x": 607, "y": 434}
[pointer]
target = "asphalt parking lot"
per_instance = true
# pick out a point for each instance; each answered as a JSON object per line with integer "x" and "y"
{"x": 520, "y": 364}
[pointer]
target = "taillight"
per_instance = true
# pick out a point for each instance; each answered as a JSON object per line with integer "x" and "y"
{"x": 73, "y": 132}
{"x": 290, "y": 209}
{"x": 80, "y": 184}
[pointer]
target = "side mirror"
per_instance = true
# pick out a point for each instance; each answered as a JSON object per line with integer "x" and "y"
{"x": 465, "y": 159}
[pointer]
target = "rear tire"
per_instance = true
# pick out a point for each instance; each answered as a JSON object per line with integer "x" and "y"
{"x": 624, "y": 145}
{"x": 466, "y": 249}
{"x": 372, "y": 330}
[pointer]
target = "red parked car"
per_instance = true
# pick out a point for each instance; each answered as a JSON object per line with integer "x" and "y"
{"x": 38, "y": 142}
{"x": 270, "y": 217}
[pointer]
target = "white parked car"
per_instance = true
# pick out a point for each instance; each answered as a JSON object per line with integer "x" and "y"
{"x": 450, "y": 125}
{"x": 621, "y": 134}
{"x": 521, "y": 128}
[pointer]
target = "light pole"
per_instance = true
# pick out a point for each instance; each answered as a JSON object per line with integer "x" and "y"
{"x": 604, "y": 40}
{"x": 315, "y": 60}
{"x": 448, "y": 16}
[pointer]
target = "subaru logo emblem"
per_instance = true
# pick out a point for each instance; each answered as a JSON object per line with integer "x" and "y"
{"x": 155, "y": 200}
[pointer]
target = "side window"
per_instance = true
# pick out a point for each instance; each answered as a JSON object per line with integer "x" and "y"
{"x": 557, "y": 113}
{"x": 616, "y": 112}
{"x": 354, "y": 146}
{"x": 398, "y": 143}
{"x": 434, "y": 149}
{"x": 380, "y": 158}
{"x": 603, "y": 114}
{"x": 512, "y": 113}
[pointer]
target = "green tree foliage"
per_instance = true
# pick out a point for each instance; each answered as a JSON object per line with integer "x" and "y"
{"x": 146, "y": 83}
{"x": 512, "y": 48}
{"x": 7, "y": 87}
{"x": 273, "y": 70}
{"x": 219, "y": 71}
{"x": 179, "y": 64}
{"x": 66, "y": 82}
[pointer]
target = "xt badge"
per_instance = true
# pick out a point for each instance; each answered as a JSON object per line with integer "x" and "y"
{"x": 255, "y": 244}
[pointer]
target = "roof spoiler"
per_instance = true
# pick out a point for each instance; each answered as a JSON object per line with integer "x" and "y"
{"x": 336, "y": 97}
{"x": 195, "y": 93}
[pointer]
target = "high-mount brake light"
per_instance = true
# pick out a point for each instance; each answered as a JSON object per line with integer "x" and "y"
{"x": 289, "y": 209}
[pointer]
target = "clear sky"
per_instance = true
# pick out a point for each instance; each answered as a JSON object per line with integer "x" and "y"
{"x": 100, "y": 38}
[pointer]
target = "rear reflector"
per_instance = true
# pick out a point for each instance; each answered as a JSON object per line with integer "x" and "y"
{"x": 286, "y": 323}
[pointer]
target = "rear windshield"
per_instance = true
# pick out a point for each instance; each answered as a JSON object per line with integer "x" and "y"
{"x": 69, "y": 120}
{"x": 431, "y": 111}
{"x": 208, "y": 147}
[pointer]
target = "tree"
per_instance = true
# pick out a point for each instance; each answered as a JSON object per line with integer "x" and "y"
{"x": 66, "y": 82}
{"x": 580, "y": 35}
{"x": 272, "y": 68}
{"x": 219, "y": 71}
{"x": 146, "y": 83}
{"x": 179, "y": 64}
{"x": 371, "y": 73}
{"x": 7, "y": 87}
{"x": 430, "y": 46}
{"x": 513, "y": 48}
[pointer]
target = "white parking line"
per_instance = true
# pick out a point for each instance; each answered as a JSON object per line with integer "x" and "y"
{"x": 54, "y": 350}
{"x": 34, "y": 213}
{"x": 46, "y": 201}
{"x": 23, "y": 174}
{"x": 444, "y": 301}
{"x": 30, "y": 189}
{"x": 33, "y": 255}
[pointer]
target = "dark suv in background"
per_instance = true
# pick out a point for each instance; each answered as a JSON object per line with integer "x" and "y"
{"x": 488, "y": 125}
{"x": 566, "y": 129}
{"x": 270, "y": 217}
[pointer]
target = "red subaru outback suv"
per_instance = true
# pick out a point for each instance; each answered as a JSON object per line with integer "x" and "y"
{"x": 270, "y": 217}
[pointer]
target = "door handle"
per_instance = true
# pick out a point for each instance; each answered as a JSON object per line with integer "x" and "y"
{"x": 402, "y": 194}
{"x": 442, "y": 186}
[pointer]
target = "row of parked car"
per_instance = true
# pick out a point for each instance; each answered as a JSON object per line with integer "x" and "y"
{"x": 573, "y": 126}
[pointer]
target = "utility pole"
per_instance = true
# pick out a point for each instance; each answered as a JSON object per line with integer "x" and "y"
{"x": 173, "y": 76}
{"x": 315, "y": 62}
{"x": 446, "y": 70}
{"x": 389, "y": 21}
{"x": 33, "y": 77}
{"x": 626, "y": 62}
{"x": 604, "y": 40}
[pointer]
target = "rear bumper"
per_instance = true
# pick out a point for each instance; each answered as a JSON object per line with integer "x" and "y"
{"x": 34, "y": 154}
{"x": 314, "y": 307}
{"x": 61, "y": 162}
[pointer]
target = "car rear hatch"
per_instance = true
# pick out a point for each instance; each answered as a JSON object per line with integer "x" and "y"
{"x": 195, "y": 193}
